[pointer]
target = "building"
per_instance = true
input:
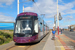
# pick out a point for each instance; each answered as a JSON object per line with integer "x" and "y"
{"x": 71, "y": 27}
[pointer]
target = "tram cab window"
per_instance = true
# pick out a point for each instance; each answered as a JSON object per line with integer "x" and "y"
{"x": 23, "y": 26}
{"x": 17, "y": 27}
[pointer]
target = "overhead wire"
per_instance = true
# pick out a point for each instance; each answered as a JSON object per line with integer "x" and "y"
{"x": 37, "y": 7}
{"x": 39, "y": 10}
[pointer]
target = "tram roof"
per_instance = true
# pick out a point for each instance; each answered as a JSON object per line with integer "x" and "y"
{"x": 27, "y": 13}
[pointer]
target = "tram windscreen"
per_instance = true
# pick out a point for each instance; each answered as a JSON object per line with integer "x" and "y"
{"x": 23, "y": 26}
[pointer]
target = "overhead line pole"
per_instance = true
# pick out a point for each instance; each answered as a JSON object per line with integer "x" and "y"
{"x": 55, "y": 22}
{"x": 57, "y": 18}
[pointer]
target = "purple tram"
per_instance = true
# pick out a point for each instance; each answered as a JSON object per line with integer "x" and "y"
{"x": 29, "y": 28}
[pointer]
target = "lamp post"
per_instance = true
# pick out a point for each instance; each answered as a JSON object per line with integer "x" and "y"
{"x": 18, "y": 7}
{"x": 57, "y": 18}
{"x": 23, "y": 8}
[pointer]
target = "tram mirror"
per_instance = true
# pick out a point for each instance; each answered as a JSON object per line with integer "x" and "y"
{"x": 14, "y": 24}
{"x": 41, "y": 23}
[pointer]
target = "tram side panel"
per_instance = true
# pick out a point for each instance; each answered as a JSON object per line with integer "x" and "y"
{"x": 43, "y": 27}
{"x": 40, "y": 34}
{"x": 47, "y": 29}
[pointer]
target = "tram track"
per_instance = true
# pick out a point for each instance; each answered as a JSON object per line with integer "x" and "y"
{"x": 16, "y": 47}
{"x": 10, "y": 47}
{"x": 27, "y": 48}
{"x": 20, "y": 47}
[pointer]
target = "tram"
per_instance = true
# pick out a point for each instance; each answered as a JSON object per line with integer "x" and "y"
{"x": 29, "y": 28}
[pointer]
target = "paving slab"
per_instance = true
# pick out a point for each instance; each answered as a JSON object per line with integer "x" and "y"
{"x": 49, "y": 45}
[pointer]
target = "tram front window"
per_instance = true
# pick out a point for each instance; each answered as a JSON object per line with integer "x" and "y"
{"x": 24, "y": 26}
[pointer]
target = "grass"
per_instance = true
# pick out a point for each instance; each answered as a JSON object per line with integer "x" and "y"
{"x": 5, "y": 37}
{"x": 11, "y": 30}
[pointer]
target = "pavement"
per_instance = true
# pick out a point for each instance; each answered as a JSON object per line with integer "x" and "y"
{"x": 49, "y": 45}
{"x": 64, "y": 41}
{"x": 3, "y": 47}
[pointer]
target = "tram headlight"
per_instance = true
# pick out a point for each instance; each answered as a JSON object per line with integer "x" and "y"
{"x": 30, "y": 36}
{"x": 15, "y": 35}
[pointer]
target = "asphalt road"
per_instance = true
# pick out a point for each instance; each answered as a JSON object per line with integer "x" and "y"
{"x": 70, "y": 34}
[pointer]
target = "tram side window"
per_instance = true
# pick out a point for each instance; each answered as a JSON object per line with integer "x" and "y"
{"x": 36, "y": 26}
{"x": 41, "y": 27}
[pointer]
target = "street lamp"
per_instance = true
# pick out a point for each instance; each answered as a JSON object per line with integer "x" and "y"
{"x": 18, "y": 7}
{"x": 23, "y": 8}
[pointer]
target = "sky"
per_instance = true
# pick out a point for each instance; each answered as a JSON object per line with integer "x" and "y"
{"x": 8, "y": 11}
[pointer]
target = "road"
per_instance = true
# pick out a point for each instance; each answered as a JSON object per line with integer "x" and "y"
{"x": 70, "y": 34}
